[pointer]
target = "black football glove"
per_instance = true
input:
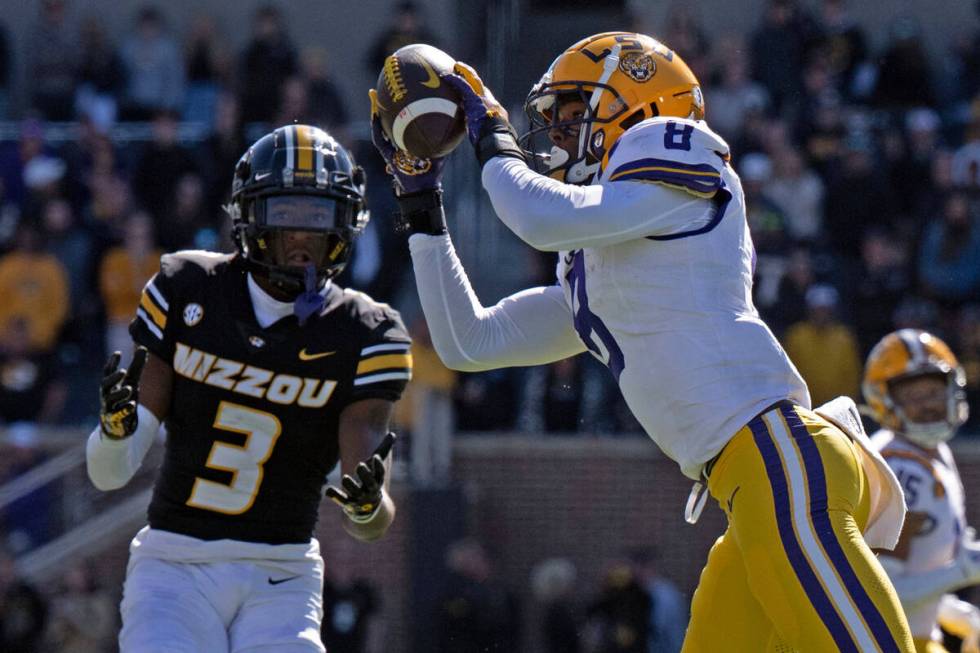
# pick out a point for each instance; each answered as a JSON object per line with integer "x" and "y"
{"x": 119, "y": 395}
{"x": 361, "y": 497}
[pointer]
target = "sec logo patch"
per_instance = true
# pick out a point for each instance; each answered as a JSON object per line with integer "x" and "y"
{"x": 193, "y": 314}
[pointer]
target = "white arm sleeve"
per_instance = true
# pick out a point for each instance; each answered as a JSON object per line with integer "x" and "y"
{"x": 531, "y": 327}
{"x": 914, "y": 588}
{"x": 959, "y": 617}
{"x": 112, "y": 463}
{"x": 551, "y": 216}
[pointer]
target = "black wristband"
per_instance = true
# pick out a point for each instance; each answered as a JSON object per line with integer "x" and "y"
{"x": 497, "y": 138}
{"x": 421, "y": 213}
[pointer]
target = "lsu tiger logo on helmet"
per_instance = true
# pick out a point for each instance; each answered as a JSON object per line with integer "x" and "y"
{"x": 905, "y": 354}
{"x": 621, "y": 78}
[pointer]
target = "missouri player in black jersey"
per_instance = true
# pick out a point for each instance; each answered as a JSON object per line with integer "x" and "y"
{"x": 264, "y": 373}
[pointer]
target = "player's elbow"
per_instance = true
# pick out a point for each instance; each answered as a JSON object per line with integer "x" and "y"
{"x": 105, "y": 484}
{"x": 459, "y": 362}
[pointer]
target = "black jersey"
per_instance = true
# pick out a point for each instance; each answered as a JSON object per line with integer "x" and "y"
{"x": 252, "y": 424}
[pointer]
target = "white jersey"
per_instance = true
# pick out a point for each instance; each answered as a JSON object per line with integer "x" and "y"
{"x": 655, "y": 279}
{"x": 933, "y": 490}
{"x": 672, "y": 314}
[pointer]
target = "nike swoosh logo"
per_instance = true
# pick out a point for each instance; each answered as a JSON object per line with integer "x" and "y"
{"x": 433, "y": 81}
{"x": 276, "y": 581}
{"x": 303, "y": 356}
{"x": 262, "y": 175}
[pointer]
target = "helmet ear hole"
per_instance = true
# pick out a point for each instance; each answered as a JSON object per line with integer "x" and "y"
{"x": 632, "y": 119}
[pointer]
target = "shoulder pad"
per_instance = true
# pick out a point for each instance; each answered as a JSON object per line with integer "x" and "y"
{"x": 676, "y": 152}
{"x": 370, "y": 312}
{"x": 191, "y": 261}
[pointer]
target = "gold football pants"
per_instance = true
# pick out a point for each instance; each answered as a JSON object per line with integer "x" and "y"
{"x": 792, "y": 571}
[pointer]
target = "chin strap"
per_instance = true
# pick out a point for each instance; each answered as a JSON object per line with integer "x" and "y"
{"x": 309, "y": 301}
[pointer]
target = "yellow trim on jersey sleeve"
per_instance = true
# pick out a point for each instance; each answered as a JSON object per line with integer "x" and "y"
{"x": 158, "y": 316}
{"x": 389, "y": 361}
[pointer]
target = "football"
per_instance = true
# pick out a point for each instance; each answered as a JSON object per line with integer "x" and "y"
{"x": 419, "y": 112}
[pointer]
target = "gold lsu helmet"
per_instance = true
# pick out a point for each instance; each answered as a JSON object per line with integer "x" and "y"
{"x": 622, "y": 78}
{"x": 908, "y": 353}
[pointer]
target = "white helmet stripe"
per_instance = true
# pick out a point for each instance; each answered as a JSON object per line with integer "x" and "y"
{"x": 917, "y": 354}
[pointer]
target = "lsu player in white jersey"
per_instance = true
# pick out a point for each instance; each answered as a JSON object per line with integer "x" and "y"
{"x": 647, "y": 214}
{"x": 915, "y": 389}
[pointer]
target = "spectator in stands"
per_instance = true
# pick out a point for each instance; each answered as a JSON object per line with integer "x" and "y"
{"x": 23, "y": 610}
{"x": 187, "y": 216}
{"x": 968, "y": 346}
{"x": 34, "y": 287}
{"x": 790, "y": 304}
{"x": 268, "y": 60}
{"x": 553, "y": 587}
{"x": 6, "y": 72}
{"x": 497, "y": 388}
{"x": 683, "y": 31}
{"x": 31, "y": 389}
{"x": 911, "y": 162}
{"x": 735, "y": 93}
{"x": 620, "y": 615}
{"x": 857, "y": 197}
{"x": 328, "y": 108}
{"x": 824, "y": 349}
{"x": 842, "y": 44}
{"x": 904, "y": 78}
{"x": 966, "y": 161}
{"x": 294, "y": 102}
{"x": 879, "y": 283}
{"x": 15, "y": 157}
{"x": 124, "y": 270}
{"x": 553, "y": 398}
{"x": 476, "y": 613}
{"x": 154, "y": 68}
{"x": 83, "y": 615}
{"x": 406, "y": 28}
{"x": 52, "y": 64}
{"x": 426, "y": 411}
{"x": 101, "y": 76}
{"x": 209, "y": 70}
{"x": 798, "y": 192}
{"x": 350, "y": 606}
{"x": 949, "y": 258}
{"x": 221, "y": 150}
{"x": 162, "y": 163}
{"x": 74, "y": 248}
{"x": 669, "y": 616}
{"x": 778, "y": 49}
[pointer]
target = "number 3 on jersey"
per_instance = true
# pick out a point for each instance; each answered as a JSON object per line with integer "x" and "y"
{"x": 261, "y": 430}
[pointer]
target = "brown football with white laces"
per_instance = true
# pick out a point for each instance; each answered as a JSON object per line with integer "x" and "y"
{"x": 419, "y": 112}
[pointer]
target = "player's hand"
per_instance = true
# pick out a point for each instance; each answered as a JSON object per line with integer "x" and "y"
{"x": 487, "y": 125}
{"x": 968, "y": 557}
{"x": 362, "y": 495}
{"x": 119, "y": 394}
{"x": 410, "y": 173}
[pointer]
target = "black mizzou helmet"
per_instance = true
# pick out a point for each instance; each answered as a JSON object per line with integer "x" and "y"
{"x": 296, "y": 179}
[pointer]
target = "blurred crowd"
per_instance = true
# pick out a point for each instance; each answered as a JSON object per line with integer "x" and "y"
{"x": 861, "y": 168}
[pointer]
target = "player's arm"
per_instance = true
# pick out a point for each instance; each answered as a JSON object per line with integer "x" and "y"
{"x": 550, "y": 215}
{"x": 133, "y": 402}
{"x": 531, "y": 327}
{"x": 962, "y": 619}
{"x": 915, "y": 587}
{"x": 365, "y": 463}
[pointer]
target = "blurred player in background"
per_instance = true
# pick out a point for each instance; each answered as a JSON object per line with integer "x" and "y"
{"x": 916, "y": 390}
{"x": 264, "y": 372}
{"x": 640, "y": 200}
